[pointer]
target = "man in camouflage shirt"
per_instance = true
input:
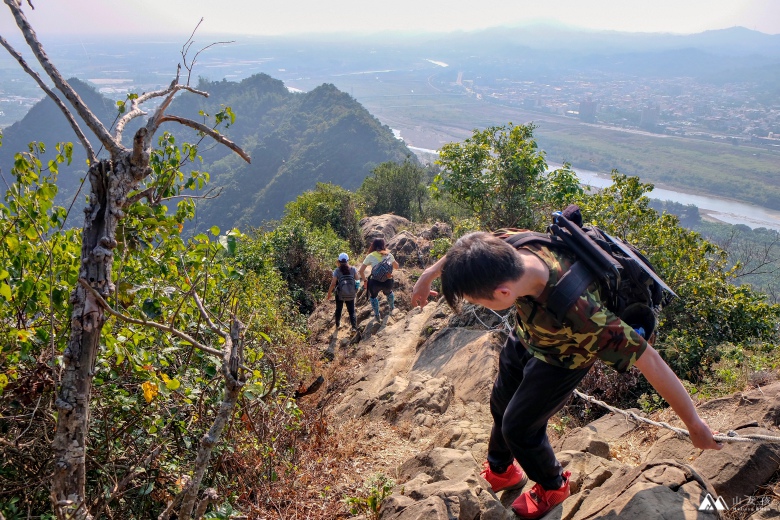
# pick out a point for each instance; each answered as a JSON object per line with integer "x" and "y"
{"x": 544, "y": 360}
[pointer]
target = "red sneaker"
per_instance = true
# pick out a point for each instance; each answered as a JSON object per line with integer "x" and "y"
{"x": 539, "y": 501}
{"x": 513, "y": 478}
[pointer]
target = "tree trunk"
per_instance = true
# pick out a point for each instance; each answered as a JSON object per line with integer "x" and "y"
{"x": 234, "y": 381}
{"x": 111, "y": 181}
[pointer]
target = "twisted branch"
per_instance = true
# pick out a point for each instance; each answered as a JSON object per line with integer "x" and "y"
{"x": 206, "y": 130}
{"x": 71, "y": 95}
{"x": 57, "y": 101}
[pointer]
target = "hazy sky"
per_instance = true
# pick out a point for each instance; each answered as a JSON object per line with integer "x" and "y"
{"x": 306, "y": 16}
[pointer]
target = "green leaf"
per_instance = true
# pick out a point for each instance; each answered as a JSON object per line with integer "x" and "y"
{"x": 31, "y": 233}
{"x": 5, "y": 291}
{"x": 12, "y": 243}
{"x": 214, "y": 230}
{"x": 151, "y": 308}
{"x": 228, "y": 242}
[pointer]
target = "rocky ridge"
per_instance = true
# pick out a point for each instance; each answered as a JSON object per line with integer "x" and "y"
{"x": 426, "y": 374}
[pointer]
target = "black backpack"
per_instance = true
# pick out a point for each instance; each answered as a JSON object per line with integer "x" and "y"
{"x": 345, "y": 285}
{"x": 382, "y": 271}
{"x": 631, "y": 288}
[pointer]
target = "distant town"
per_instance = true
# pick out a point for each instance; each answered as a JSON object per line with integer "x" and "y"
{"x": 679, "y": 106}
{"x": 733, "y": 109}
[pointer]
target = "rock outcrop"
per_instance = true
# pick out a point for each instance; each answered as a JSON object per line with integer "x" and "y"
{"x": 429, "y": 373}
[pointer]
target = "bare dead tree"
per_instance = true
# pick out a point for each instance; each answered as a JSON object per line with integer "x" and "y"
{"x": 232, "y": 361}
{"x": 751, "y": 257}
{"x": 111, "y": 181}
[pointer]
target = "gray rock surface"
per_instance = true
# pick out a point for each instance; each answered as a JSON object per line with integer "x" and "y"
{"x": 429, "y": 372}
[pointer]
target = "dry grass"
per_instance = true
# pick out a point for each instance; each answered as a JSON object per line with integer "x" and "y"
{"x": 334, "y": 456}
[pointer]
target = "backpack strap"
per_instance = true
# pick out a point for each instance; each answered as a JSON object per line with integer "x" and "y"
{"x": 523, "y": 238}
{"x": 572, "y": 284}
{"x": 569, "y": 288}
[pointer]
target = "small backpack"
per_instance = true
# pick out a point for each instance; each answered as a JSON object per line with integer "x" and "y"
{"x": 381, "y": 272}
{"x": 345, "y": 285}
{"x": 631, "y": 288}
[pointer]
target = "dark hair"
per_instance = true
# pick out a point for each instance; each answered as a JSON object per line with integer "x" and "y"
{"x": 476, "y": 264}
{"x": 377, "y": 245}
{"x": 344, "y": 266}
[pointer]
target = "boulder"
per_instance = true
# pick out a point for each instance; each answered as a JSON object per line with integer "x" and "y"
{"x": 740, "y": 467}
{"x": 438, "y": 230}
{"x": 756, "y": 407}
{"x": 586, "y": 440}
{"x": 401, "y": 398}
{"x": 468, "y": 358}
{"x": 443, "y": 484}
{"x": 671, "y": 446}
{"x": 597, "y": 436}
{"x": 588, "y": 471}
{"x": 432, "y": 508}
{"x": 439, "y": 464}
{"x": 665, "y": 489}
{"x": 382, "y": 226}
{"x": 408, "y": 250}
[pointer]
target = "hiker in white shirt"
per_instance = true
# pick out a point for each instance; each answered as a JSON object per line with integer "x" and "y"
{"x": 379, "y": 254}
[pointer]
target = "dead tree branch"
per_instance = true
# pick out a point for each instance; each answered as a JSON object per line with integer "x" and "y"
{"x": 208, "y": 131}
{"x": 71, "y": 95}
{"x": 185, "y": 49}
{"x": 73, "y": 124}
{"x": 234, "y": 382}
{"x": 135, "y": 104}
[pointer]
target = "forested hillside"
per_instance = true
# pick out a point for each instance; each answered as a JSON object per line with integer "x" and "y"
{"x": 44, "y": 123}
{"x": 295, "y": 140}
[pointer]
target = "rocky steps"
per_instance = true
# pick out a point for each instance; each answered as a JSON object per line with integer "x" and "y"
{"x": 425, "y": 375}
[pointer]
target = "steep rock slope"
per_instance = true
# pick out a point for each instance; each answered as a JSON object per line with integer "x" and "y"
{"x": 427, "y": 374}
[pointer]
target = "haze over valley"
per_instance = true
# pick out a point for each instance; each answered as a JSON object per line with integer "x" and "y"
{"x": 696, "y": 113}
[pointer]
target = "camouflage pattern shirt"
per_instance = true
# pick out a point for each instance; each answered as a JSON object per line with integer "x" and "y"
{"x": 589, "y": 330}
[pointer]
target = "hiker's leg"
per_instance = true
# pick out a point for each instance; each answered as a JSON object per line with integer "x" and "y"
{"x": 373, "y": 291}
{"x": 511, "y": 362}
{"x": 387, "y": 289}
{"x": 373, "y": 288}
{"x": 375, "y": 306}
{"x": 543, "y": 391}
{"x": 339, "y": 307}
{"x": 351, "y": 311}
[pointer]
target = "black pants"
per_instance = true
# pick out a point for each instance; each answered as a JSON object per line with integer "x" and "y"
{"x": 350, "y": 310}
{"x": 374, "y": 287}
{"x": 527, "y": 392}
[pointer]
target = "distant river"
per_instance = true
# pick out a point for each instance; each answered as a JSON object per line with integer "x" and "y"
{"x": 725, "y": 210}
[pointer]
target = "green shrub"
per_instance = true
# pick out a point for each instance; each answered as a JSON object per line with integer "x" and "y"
{"x": 331, "y": 206}
{"x": 371, "y": 496}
